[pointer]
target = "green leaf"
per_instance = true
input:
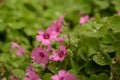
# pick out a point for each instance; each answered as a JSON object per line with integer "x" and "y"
{"x": 118, "y": 52}
{"x": 103, "y": 76}
{"x": 83, "y": 77}
{"x": 93, "y": 42}
{"x": 91, "y": 51}
{"x": 107, "y": 39}
{"x": 16, "y": 25}
{"x": 46, "y": 76}
{"x": 6, "y": 47}
{"x": 116, "y": 71}
{"x": 74, "y": 67}
{"x": 86, "y": 29}
{"x": 117, "y": 37}
{"x": 93, "y": 77}
{"x": 97, "y": 17}
{"x": 114, "y": 22}
{"x": 83, "y": 53}
{"x": 102, "y": 4}
{"x": 110, "y": 48}
{"x": 92, "y": 68}
{"x": 17, "y": 62}
{"x": 102, "y": 59}
{"x": 53, "y": 69}
{"x": 19, "y": 73}
{"x": 2, "y": 26}
{"x": 4, "y": 57}
{"x": 30, "y": 32}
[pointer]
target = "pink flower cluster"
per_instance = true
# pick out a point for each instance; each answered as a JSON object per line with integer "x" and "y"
{"x": 59, "y": 55}
{"x": 30, "y": 74}
{"x": 20, "y": 49}
{"x": 41, "y": 55}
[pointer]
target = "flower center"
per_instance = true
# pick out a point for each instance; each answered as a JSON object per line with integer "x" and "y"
{"x": 41, "y": 54}
{"x": 46, "y": 36}
{"x": 62, "y": 78}
{"x": 61, "y": 54}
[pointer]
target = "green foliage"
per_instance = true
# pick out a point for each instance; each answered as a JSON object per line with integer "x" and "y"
{"x": 102, "y": 59}
{"x": 19, "y": 73}
{"x": 94, "y": 47}
{"x": 98, "y": 45}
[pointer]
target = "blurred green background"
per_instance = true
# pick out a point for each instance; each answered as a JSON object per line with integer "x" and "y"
{"x": 20, "y": 20}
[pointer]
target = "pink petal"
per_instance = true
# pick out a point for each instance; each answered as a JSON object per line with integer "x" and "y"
{"x": 51, "y": 28}
{"x": 61, "y": 40}
{"x": 37, "y": 59}
{"x": 46, "y": 53}
{"x": 40, "y": 32}
{"x": 56, "y": 25}
{"x": 84, "y": 19}
{"x": 26, "y": 78}
{"x": 14, "y": 45}
{"x": 63, "y": 48}
{"x": 61, "y": 73}
{"x": 119, "y": 12}
{"x": 20, "y": 49}
{"x": 36, "y": 51}
{"x": 39, "y": 38}
{"x": 70, "y": 76}
{"x": 19, "y": 52}
{"x": 30, "y": 74}
{"x": 55, "y": 77}
{"x": 54, "y": 57}
{"x": 46, "y": 42}
{"x": 62, "y": 58}
{"x": 53, "y": 35}
{"x": 44, "y": 61}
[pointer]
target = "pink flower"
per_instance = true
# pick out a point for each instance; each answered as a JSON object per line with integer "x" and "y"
{"x": 84, "y": 19}
{"x": 30, "y": 74}
{"x": 57, "y": 25}
{"x": 30, "y": 68}
{"x": 64, "y": 75}
{"x": 119, "y": 12}
{"x": 46, "y": 37}
{"x": 59, "y": 55}
{"x": 12, "y": 77}
{"x": 20, "y": 49}
{"x": 40, "y": 56}
{"x": 61, "y": 40}
{"x": 51, "y": 33}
